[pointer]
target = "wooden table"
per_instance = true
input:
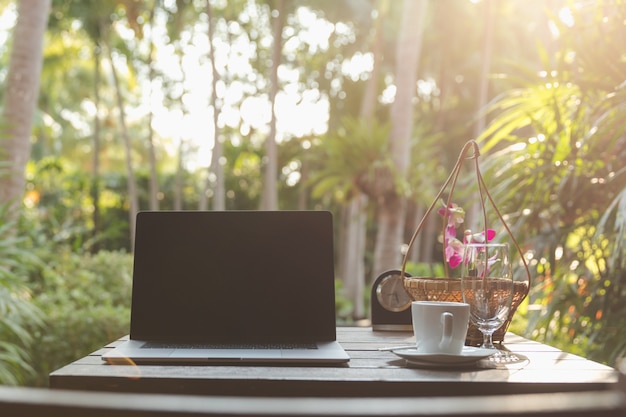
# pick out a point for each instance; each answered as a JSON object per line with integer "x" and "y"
{"x": 370, "y": 372}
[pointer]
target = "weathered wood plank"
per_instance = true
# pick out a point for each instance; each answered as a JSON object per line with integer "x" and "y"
{"x": 22, "y": 402}
{"x": 370, "y": 372}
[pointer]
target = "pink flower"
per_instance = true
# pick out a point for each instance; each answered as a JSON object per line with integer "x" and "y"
{"x": 455, "y": 214}
{"x": 470, "y": 237}
{"x": 453, "y": 247}
{"x": 454, "y": 252}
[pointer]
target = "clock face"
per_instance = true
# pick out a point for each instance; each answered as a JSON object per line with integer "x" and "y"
{"x": 391, "y": 294}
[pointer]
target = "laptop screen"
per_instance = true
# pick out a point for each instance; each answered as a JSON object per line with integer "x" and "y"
{"x": 233, "y": 276}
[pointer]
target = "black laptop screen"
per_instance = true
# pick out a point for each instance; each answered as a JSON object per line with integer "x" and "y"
{"x": 233, "y": 276}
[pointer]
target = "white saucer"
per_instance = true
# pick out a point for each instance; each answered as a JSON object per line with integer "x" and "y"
{"x": 468, "y": 356}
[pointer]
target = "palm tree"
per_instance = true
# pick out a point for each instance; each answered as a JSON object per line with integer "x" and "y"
{"x": 95, "y": 181}
{"x": 22, "y": 91}
{"x": 354, "y": 214}
{"x": 269, "y": 199}
{"x": 347, "y": 166}
{"x": 391, "y": 203}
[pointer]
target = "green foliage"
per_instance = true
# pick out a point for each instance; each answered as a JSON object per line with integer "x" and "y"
{"x": 352, "y": 159}
{"x": 59, "y": 206}
{"x": 85, "y": 299}
{"x": 557, "y": 169}
{"x": 343, "y": 305}
{"x": 423, "y": 269}
{"x": 17, "y": 314}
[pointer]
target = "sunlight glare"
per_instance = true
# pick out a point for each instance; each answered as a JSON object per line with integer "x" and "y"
{"x": 318, "y": 32}
{"x": 301, "y": 117}
{"x": 165, "y": 121}
{"x": 300, "y": 108}
{"x": 558, "y": 253}
{"x": 7, "y": 22}
{"x": 359, "y": 66}
{"x": 389, "y": 94}
{"x": 518, "y": 147}
{"x": 427, "y": 89}
{"x": 255, "y": 111}
{"x": 288, "y": 75}
{"x": 566, "y": 16}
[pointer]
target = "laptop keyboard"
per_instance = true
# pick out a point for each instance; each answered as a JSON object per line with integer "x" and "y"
{"x": 263, "y": 346}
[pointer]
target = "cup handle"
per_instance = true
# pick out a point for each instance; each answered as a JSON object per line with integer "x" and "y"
{"x": 447, "y": 320}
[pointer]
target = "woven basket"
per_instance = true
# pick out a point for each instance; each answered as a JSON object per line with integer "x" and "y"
{"x": 449, "y": 289}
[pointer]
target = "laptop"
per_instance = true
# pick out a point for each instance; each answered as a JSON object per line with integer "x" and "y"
{"x": 232, "y": 287}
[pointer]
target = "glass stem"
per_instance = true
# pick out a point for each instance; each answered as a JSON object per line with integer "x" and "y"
{"x": 488, "y": 341}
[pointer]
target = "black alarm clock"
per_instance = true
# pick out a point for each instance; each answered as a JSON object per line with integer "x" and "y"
{"x": 391, "y": 304}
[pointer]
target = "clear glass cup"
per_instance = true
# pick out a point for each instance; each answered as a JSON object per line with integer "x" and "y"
{"x": 487, "y": 286}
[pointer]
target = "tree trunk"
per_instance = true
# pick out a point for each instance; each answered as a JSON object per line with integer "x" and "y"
{"x": 182, "y": 141}
{"x": 21, "y": 93}
{"x": 178, "y": 180}
{"x": 95, "y": 175}
{"x": 130, "y": 172}
{"x": 154, "y": 179}
{"x": 390, "y": 219}
{"x": 352, "y": 249}
{"x": 392, "y": 206}
{"x": 370, "y": 97}
{"x": 269, "y": 199}
{"x": 215, "y": 177}
{"x": 305, "y": 191}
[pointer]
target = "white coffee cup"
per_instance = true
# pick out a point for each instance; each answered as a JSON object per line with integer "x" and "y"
{"x": 440, "y": 326}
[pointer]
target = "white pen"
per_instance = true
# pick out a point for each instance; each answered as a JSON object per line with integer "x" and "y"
{"x": 386, "y": 349}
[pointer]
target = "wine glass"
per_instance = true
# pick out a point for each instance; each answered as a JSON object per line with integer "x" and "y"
{"x": 487, "y": 286}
